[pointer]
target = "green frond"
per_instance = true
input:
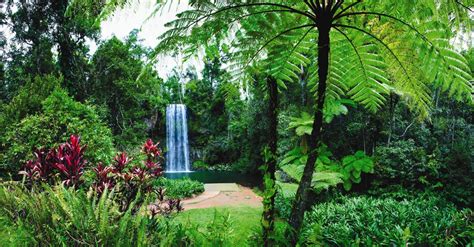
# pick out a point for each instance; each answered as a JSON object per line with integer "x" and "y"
{"x": 321, "y": 180}
{"x": 374, "y": 50}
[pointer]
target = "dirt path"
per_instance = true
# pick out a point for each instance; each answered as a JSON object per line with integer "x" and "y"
{"x": 228, "y": 194}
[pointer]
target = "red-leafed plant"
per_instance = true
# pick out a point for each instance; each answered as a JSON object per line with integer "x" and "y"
{"x": 121, "y": 160}
{"x": 151, "y": 149}
{"x": 162, "y": 206}
{"x": 69, "y": 160}
{"x": 130, "y": 180}
{"x": 104, "y": 181}
{"x": 39, "y": 168}
{"x": 153, "y": 161}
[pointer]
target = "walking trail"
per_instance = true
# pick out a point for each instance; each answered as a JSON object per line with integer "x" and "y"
{"x": 222, "y": 195}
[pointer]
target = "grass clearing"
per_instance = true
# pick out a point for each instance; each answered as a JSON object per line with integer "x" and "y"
{"x": 240, "y": 221}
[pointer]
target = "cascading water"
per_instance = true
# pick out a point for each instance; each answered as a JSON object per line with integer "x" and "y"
{"x": 177, "y": 157}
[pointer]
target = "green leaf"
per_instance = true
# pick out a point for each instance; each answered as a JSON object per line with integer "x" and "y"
{"x": 347, "y": 185}
{"x": 356, "y": 174}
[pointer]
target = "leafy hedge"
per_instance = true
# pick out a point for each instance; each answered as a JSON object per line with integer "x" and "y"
{"x": 60, "y": 117}
{"x": 367, "y": 221}
{"x": 180, "y": 188}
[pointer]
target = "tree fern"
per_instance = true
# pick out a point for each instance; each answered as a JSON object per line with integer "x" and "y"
{"x": 365, "y": 51}
{"x": 366, "y": 64}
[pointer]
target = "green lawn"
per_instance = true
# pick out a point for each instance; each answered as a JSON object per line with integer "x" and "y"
{"x": 236, "y": 223}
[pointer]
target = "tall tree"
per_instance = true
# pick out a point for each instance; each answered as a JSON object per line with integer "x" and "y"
{"x": 30, "y": 47}
{"x": 41, "y": 27}
{"x": 130, "y": 103}
{"x": 369, "y": 58}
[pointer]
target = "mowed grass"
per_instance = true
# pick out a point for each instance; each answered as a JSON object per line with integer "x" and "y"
{"x": 240, "y": 222}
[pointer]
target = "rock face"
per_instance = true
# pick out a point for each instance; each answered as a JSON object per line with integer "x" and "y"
{"x": 151, "y": 122}
{"x": 196, "y": 154}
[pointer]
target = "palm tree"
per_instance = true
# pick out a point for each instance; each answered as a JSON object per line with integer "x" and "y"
{"x": 362, "y": 50}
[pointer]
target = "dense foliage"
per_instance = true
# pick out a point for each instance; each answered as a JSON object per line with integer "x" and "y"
{"x": 60, "y": 115}
{"x": 180, "y": 188}
{"x": 427, "y": 220}
{"x": 129, "y": 91}
{"x": 358, "y": 113}
{"x": 73, "y": 218}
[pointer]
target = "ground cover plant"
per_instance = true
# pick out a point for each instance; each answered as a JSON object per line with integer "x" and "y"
{"x": 180, "y": 188}
{"x": 367, "y": 221}
{"x": 354, "y": 116}
{"x": 63, "y": 216}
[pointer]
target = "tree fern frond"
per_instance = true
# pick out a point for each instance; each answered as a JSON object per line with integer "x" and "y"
{"x": 321, "y": 180}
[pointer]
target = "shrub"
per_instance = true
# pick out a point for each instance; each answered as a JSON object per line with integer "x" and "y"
{"x": 67, "y": 159}
{"x": 457, "y": 174}
{"x": 426, "y": 221}
{"x": 284, "y": 198}
{"x": 132, "y": 180}
{"x": 200, "y": 165}
{"x": 60, "y": 116}
{"x": 67, "y": 162}
{"x": 180, "y": 188}
{"x": 31, "y": 95}
{"x": 68, "y": 217}
{"x": 405, "y": 163}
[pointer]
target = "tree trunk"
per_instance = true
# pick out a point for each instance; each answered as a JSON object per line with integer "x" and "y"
{"x": 268, "y": 216}
{"x": 299, "y": 205}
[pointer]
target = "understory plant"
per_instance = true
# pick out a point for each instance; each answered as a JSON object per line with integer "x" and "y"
{"x": 60, "y": 116}
{"x": 179, "y": 188}
{"x": 130, "y": 181}
{"x": 66, "y": 161}
{"x": 421, "y": 221}
{"x": 328, "y": 172}
{"x": 65, "y": 216}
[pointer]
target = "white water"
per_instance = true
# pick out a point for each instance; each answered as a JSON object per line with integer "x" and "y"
{"x": 177, "y": 157}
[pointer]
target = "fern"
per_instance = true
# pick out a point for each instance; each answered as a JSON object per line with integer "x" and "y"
{"x": 368, "y": 61}
{"x": 321, "y": 180}
{"x": 69, "y": 217}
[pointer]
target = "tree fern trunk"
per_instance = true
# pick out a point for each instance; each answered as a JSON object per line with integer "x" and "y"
{"x": 268, "y": 217}
{"x": 299, "y": 205}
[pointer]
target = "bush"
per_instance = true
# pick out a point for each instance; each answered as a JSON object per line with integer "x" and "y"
{"x": 405, "y": 163}
{"x": 284, "y": 198}
{"x": 30, "y": 97}
{"x": 180, "y": 188}
{"x": 366, "y": 221}
{"x": 68, "y": 217}
{"x": 60, "y": 117}
{"x": 457, "y": 174}
{"x": 67, "y": 160}
{"x": 200, "y": 165}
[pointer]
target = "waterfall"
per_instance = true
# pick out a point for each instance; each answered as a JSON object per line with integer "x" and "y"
{"x": 177, "y": 157}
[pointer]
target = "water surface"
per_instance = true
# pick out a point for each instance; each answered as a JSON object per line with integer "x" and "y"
{"x": 217, "y": 177}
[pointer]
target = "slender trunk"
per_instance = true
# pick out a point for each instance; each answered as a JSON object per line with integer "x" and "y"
{"x": 299, "y": 205}
{"x": 268, "y": 216}
{"x": 66, "y": 56}
{"x": 391, "y": 120}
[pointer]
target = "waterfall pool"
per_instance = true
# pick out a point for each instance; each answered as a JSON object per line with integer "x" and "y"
{"x": 218, "y": 177}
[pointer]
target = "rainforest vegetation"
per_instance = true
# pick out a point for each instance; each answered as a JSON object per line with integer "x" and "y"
{"x": 356, "y": 118}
